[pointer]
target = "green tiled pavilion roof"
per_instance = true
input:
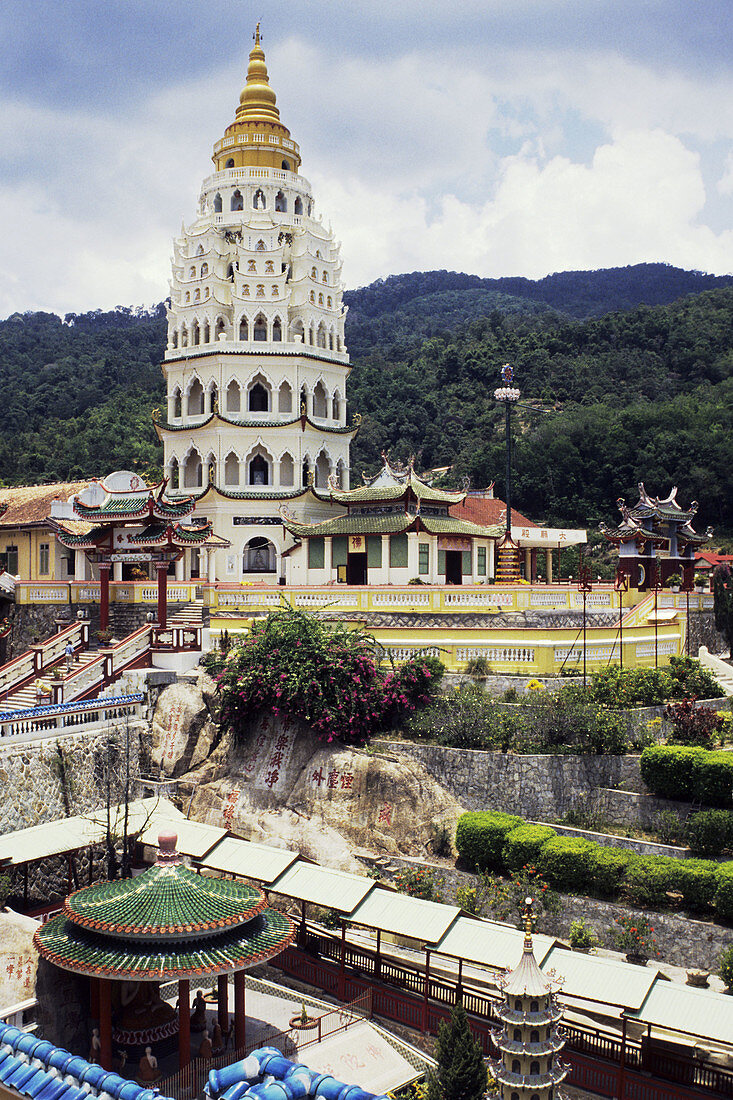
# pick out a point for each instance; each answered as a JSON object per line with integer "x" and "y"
{"x": 84, "y": 952}
{"x": 167, "y": 901}
{"x": 449, "y": 525}
{"x": 134, "y": 507}
{"x": 157, "y": 533}
{"x": 329, "y": 429}
{"x": 352, "y": 525}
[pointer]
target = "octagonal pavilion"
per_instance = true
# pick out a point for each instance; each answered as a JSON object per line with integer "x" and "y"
{"x": 166, "y": 924}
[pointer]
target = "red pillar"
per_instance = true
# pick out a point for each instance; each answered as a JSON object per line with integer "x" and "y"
{"x": 426, "y": 995}
{"x": 104, "y": 568}
{"x": 105, "y": 1023}
{"x": 184, "y": 1023}
{"x": 162, "y": 568}
{"x": 620, "y": 1080}
{"x": 240, "y": 1011}
{"x": 222, "y": 989}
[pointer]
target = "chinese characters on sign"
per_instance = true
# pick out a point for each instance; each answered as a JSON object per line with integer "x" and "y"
{"x": 333, "y": 780}
{"x": 173, "y": 732}
{"x": 273, "y": 755}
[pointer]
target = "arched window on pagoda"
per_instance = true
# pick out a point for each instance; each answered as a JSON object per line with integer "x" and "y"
{"x": 260, "y": 328}
{"x": 323, "y": 469}
{"x": 210, "y": 469}
{"x": 321, "y": 341}
{"x": 260, "y": 556}
{"x": 329, "y": 302}
{"x": 197, "y": 295}
{"x": 217, "y": 203}
{"x": 305, "y": 471}
{"x": 213, "y": 396}
{"x": 234, "y": 399}
{"x": 534, "y": 1006}
{"x": 311, "y": 336}
{"x": 200, "y": 250}
{"x": 518, "y": 1006}
{"x": 192, "y": 273}
{"x": 174, "y": 338}
{"x": 285, "y": 165}
{"x": 259, "y": 396}
{"x": 243, "y": 329}
{"x": 207, "y": 332}
{"x": 303, "y": 399}
{"x": 229, "y": 163}
{"x": 534, "y": 1036}
{"x": 320, "y": 401}
{"x": 325, "y": 277}
{"x": 277, "y": 329}
{"x": 298, "y": 205}
{"x": 338, "y": 343}
{"x": 195, "y": 403}
{"x": 231, "y": 469}
{"x": 174, "y": 474}
{"x": 258, "y": 200}
{"x": 237, "y": 201}
{"x": 204, "y": 270}
{"x": 313, "y": 297}
{"x": 287, "y": 470}
{"x": 196, "y": 333}
{"x": 260, "y": 246}
{"x": 221, "y": 327}
{"x": 176, "y": 404}
{"x": 260, "y": 469}
{"x": 193, "y": 471}
{"x": 297, "y": 332}
{"x": 517, "y": 1035}
{"x": 285, "y": 398}
{"x": 314, "y": 273}
{"x": 336, "y": 406}
{"x": 281, "y": 203}
{"x": 330, "y": 339}
{"x": 516, "y": 1066}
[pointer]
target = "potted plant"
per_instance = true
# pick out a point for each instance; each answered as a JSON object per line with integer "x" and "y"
{"x": 674, "y": 580}
{"x": 582, "y": 936}
{"x": 701, "y": 582}
{"x": 303, "y": 1021}
{"x": 635, "y": 937}
{"x": 103, "y": 636}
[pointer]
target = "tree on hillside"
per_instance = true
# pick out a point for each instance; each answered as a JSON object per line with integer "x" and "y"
{"x": 461, "y": 1073}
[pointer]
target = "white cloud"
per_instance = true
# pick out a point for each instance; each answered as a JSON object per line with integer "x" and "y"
{"x": 403, "y": 160}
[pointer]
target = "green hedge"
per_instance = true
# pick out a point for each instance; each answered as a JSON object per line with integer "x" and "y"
{"x": 480, "y": 837}
{"x": 497, "y": 841}
{"x": 607, "y": 868}
{"x": 710, "y": 832}
{"x": 566, "y": 861}
{"x": 689, "y": 774}
{"x": 522, "y": 845}
{"x": 697, "y": 881}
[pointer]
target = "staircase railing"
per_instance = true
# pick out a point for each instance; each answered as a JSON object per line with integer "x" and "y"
{"x": 39, "y": 658}
{"x": 50, "y": 721}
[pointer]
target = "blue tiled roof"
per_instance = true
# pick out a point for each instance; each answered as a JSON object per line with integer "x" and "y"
{"x": 36, "y": 1068}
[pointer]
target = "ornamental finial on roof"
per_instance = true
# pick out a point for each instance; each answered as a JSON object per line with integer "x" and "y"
{"x": 256, "y": 35}
{"x": 528, "y": 918}
{"x": 167, "y": 853}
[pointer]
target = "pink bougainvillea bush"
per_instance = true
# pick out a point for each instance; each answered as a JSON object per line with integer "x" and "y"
{"x": 319, "y": 672}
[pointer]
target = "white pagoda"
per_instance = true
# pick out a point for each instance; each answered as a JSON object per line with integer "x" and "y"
{"x": 256, "y": 364}
{"x": 530, "y": 1040}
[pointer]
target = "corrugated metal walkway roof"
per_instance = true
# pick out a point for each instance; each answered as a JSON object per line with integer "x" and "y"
{"x": 425, "y": 921}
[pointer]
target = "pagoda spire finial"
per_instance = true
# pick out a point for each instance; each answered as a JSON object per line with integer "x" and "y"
{"x": 528, "y": 920}
{"x": 257, "y": 101}
{"x": 256, "y": 35}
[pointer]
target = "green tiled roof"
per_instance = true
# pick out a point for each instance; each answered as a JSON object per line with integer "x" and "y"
{"x": 449, "y": 525}
{"x": 85, "y": 952}
{"x": 66, "y": 538}
{"x": 399, "y": 486}
{"x": 330, "y": 429}
{"x": 166, "y": 901}
{"x": 157, "y": 533}
{"x": 351, "y": 525}
{"x": 274, "y": 494}
{"x": 134, "y": 508}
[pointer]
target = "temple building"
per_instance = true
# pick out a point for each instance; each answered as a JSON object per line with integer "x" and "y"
{"x": 397, "y": 528}
{"x": 120, "y": 525}
{"x": 656, "y": 540}
{"x": 256, "y": 363}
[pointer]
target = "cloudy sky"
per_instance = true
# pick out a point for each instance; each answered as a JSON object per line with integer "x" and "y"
{"x": 498, "y": 137}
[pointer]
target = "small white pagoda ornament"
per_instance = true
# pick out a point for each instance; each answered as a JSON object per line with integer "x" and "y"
{"x": 530, "y": 1040}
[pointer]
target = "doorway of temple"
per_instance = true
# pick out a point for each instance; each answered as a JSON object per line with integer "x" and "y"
{"x": 356, "y": 569}
{"x": 453, "y": 567}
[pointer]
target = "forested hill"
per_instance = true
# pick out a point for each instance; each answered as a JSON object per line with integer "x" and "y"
{"x": 641, "y": 394}
{"x": 425, "y": 303}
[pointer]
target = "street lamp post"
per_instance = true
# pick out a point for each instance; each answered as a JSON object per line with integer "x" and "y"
{"x": 508, "y": 394}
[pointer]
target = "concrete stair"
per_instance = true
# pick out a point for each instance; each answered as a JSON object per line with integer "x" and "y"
{"x": 25, "y": 697}
{"x": 721, "y": 670}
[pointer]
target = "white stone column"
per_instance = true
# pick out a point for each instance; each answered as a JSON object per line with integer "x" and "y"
{"x": 528, "y": 565}
{"x": 180, "y": 567}
{"x": 80, "y": 566}
{"x": 491, "y": 567}
{"x": 117, "y": 572}
{"x": 548, "y": 563}
{"x": 412, "y": 554}
{"x": 211, "y": 566}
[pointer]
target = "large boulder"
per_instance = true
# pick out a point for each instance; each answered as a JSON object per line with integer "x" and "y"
{"x": 282, "y": 785}
{"x": 183, "y": 729}
{"x": 18, "y": 958}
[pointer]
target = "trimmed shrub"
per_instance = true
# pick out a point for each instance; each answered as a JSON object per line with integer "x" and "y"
{"x": 697, "y": 881}
{"x": 668, "y": 770}
{"x": 648, "y": 878}
{"x": 724, "y": 894}
{"x": 713, "y": 779}
{"x": 480, "y": 837}
{"x": 522, "y": 845}
{"x": 566, "y": 862}
{"x": 710, "y": 832}
{"x": 725, "y": 967}
{"x": 607, "y": 868}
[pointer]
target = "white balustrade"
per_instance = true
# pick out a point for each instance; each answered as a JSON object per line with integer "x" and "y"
{"x": 406, "y": 653}
{"x": 507, "y": 655}
{"x": 401, "y": 599}
{"x": 55, "y": 721}
{"x": 646, "y": 649}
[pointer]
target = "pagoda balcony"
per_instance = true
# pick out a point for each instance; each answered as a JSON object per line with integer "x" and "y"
{"x": 537, "y": 1019}
{"x": 260, "y": 347}
{"x": 511, "y": 1046}
{"x": 258, "y": 175}
{"x": 529, "y": 1081}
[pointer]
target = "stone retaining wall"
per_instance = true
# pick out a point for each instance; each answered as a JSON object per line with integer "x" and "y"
{"x": 682, "y": 941}
{"x": 47, "y": 780}
{"x": 532, "y": 786}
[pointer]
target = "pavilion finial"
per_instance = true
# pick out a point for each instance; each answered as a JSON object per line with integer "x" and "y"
{"x": 528, "y": 920}
{"x": 256, "y": 35}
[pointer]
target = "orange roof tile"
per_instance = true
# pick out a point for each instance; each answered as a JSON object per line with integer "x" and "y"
{"x": 31, "y": 504}
{"x": 487, "y": 511}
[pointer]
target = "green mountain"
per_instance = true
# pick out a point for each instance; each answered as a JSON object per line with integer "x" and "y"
{"x": 623, "y": 391}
